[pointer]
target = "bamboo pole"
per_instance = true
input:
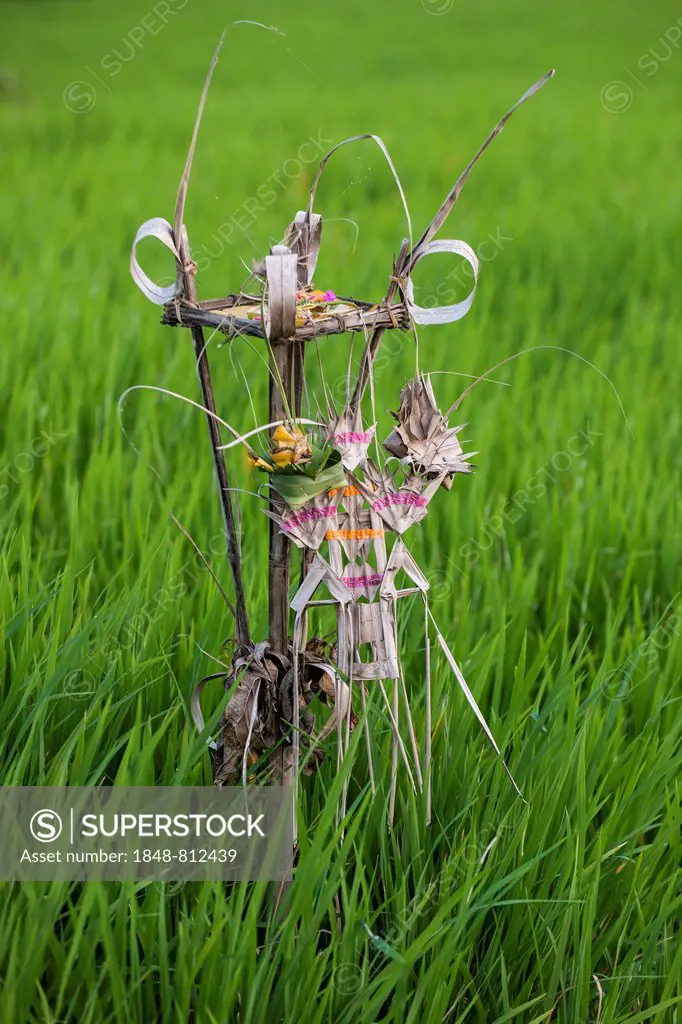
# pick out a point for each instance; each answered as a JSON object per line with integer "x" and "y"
{"x": 278, "y": 576}
{"x": 204, "y": 373}
{"x": 188, "y": 290}
{"x": 378, "y": 333}
{"x": 279, "y": 548}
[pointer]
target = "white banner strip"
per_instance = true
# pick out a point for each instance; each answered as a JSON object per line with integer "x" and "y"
{"x": 159, "y": 228}
{"x": 443, "y": 314}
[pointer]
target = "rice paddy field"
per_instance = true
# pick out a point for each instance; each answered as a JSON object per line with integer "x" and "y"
{"x": 555, "y": 570}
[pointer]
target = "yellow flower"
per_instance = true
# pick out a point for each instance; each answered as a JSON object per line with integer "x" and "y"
{"x": 283, "y": 458}
{"x": 282, "y": 436}
{"x": 290, "y": 443}
{"x": 254, "y": 460}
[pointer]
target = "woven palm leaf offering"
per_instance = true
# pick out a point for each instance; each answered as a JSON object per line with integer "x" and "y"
{"x": 347, "y": 511}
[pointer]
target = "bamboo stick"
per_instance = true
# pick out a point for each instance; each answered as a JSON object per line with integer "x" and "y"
{"x": 208, "y": 398}
{"x": 388, "y": 314}
{"x": 278, "y": 568}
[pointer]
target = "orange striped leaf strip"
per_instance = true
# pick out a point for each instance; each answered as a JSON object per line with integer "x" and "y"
{"x": 354, "y": 534}
{"x": 348, "y": 492}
